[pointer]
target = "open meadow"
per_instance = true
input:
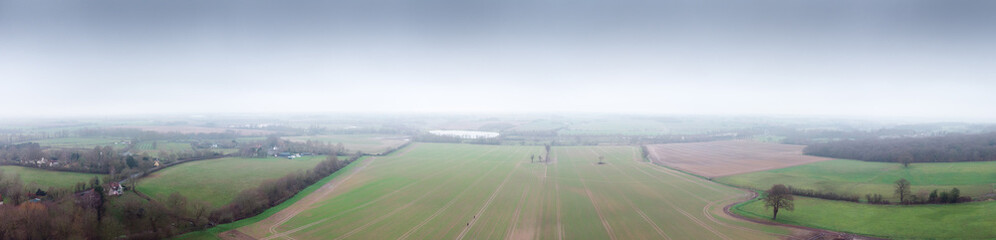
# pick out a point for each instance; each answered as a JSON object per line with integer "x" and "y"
{"x": 723, "y": 158}
{"x": 154, "y": 147}
{"x": 217, "y": 181}
{"x": 975, "y": 179}
{"x": 45, "y": 178}
{"x": 950, "y": 221}
{"x": 461, "y": 191}
{"x": 80, "y": 142}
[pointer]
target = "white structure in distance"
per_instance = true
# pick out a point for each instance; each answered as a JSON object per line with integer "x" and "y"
{"x": 465, "y": 134}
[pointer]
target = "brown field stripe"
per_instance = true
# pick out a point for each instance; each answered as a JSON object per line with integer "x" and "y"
{"x": 331, "y": 187}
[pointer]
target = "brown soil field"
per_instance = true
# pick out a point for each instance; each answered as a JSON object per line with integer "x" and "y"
{"x": 193, "y": 129}
{"x": 723, "y": 158}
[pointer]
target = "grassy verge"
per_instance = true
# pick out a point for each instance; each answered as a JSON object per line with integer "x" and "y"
{"x": 212, "y": 233}
{"x": 956, "y": 221}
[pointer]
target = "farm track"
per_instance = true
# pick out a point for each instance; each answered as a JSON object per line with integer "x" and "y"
{"x": 515, "y": 216}
{"x": 445, "y": 207}
{"x": 808, "y": 233}
{"x": 813, "y": 231}
{"x": 630, "y": 202}
{"x": 480, "y": 213}
{"x": 605, "y": 223}
{"x": 363, "y": 205}
{"x": 686, "y": 214}
{"x": 314, "y": 197}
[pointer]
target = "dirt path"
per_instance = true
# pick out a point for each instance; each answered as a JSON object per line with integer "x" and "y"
{"x": 630, "y": 202}
{"x": 286, "y": 233}
{"x": 813, "y": 233}
{"x": 295, "y": 209}
{"x": 447, "y": 206}
{"x": 560, "y": 226}
{"x": 673, "y": 206}
{"x": 235, "y": 235}
{"x": 515, "y": 216}
{"x": 598, "y": 210}
{"x": 480, "y": 213}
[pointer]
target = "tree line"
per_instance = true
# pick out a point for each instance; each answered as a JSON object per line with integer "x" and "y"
{"x": 251, "y": 202}
{"x": 63, "y": 214}
{"x": 948, "y": 148}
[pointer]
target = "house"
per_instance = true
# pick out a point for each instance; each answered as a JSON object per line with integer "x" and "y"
{"x": 115, "y": 189}
{"x": 156, "y": 163}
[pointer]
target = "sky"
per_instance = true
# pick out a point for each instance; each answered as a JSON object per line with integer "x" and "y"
{"x": 909, "y": 58}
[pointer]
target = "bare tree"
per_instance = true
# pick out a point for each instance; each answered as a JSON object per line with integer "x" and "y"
{"x": 778, "y": 197}
{"x": 903, "y": 189}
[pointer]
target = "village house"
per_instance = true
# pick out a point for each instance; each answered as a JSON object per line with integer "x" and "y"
{"x": 115, "y": 189}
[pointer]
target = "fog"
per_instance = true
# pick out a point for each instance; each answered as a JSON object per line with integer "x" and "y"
{"x": 923, "y": 59}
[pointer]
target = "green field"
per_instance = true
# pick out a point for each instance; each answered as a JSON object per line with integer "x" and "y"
{"x": 368, "y": 143}
{"x": 446, "y": 191}
{"x": 959, "y": 221}
{"x": 45, "y": 178}
{"x": 163, "y": 146}
{"x": 87, "y": 143}
{"x": 217, "y": 181}
{"x": 974, "y": 179}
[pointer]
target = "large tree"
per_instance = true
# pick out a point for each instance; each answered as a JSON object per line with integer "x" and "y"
{"x": 778, "y": 197}
{"x": 903, "y": 189}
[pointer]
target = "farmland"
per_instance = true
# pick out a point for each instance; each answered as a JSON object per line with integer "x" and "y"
{"x": 958, "y": 221}
{"x": 156, "y": 146}
{"x": 196, "y": 129}
{"x": 218, "y": 181}
{"x": 723, "y": 158}
{"x": 442, "y": 191}
{"x": 974, "y": 179}
{"x": 368, "y": 143}
{"x": 46, "y": 178}
{"x": 78, "y": 142}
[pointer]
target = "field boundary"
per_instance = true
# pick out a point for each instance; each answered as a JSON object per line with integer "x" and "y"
{"x": 221, "y": 228}
{"x": 755, "y": 196}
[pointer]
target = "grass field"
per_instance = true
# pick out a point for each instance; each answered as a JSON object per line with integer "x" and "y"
{"x": 446, "y": 191}
{"x": 217, "y": 181}
{"x": 368, "y": 143}
{"x": 974, "y": 179}
{"x": 959, "y": 221}
{"x": 46, "y": 178}
{"x": 164, "y": 146}
{"x": 87, "y": 143}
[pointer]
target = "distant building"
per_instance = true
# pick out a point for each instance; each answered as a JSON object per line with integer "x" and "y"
{"x": 115, "y": 189}
{"x": 156, "y": 163}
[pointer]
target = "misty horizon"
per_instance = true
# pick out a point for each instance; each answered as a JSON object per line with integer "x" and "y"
{"x": 889, "y": 59}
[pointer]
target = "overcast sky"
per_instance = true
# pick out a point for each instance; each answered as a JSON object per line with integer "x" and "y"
{"x": 855, "y": 58}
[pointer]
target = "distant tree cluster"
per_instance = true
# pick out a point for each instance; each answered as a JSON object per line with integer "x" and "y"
{"x": 949, "y": 148}
{"x": 274, "y": 144}
{"x": 61, "y": 214}
{"x": 823, "y": 195}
